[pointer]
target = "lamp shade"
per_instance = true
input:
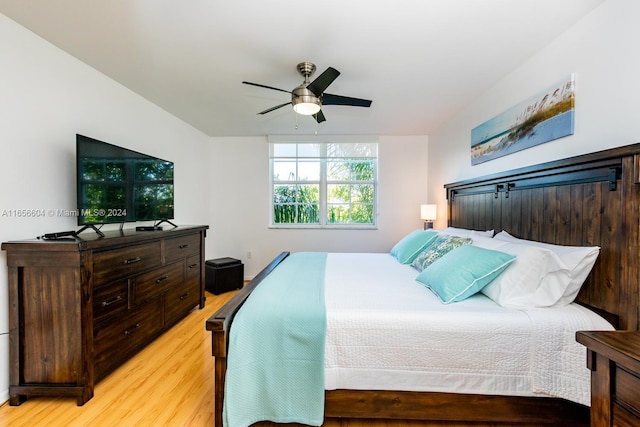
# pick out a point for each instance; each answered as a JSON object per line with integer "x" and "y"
{"x": 428, "y": 212}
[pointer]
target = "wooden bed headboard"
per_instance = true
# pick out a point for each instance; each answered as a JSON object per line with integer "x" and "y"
{"x": 589, "y": 200}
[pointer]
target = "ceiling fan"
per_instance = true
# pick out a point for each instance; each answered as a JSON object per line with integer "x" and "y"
{"x": 309, "y": 97}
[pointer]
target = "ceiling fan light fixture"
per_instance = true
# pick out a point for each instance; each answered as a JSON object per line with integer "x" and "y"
{"x": 307, "y": 108}
{"x": 305, "y": 102}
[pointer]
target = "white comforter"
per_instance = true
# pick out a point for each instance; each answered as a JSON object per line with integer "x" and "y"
{"x": 385, "y": 331}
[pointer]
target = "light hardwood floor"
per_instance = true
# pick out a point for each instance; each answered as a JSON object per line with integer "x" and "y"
{"x": 169, "y": 383}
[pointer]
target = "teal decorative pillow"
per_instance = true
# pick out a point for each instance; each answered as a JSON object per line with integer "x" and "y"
{"x": 411, "y": 245}
{"x": 463, "y": 272}
{"x": 440, "y": 246}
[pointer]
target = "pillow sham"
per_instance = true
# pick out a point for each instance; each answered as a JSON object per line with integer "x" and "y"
{"x": 487, "y": 242}
{"x": 406, "y": 250}
{"x": 536, "y": 278}
{"x": 463, "y": 272}
{"x": 440, "y": 246}
{"x": 578, "y": 261}
{"x": 465, "y": 232}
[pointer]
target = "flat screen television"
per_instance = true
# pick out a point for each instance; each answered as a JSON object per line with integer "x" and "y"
{"x": 117, "y": 185}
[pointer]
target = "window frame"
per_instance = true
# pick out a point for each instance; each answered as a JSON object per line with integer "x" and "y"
{"x": 323, "y": 182}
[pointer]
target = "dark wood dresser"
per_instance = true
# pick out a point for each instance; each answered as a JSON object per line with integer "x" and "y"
{"x": 614, "y": 360}
{"x": 79, "y": 308}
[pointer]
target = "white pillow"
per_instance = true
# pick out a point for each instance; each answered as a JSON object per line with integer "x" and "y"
{"x": 576, "y": 260}
{"x": 487, "y": 242}
{"x": 465, "y": 232}
{"x": 536, "y": 278}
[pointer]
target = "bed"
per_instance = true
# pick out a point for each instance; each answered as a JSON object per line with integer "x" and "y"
{"x": 589, "y": 200}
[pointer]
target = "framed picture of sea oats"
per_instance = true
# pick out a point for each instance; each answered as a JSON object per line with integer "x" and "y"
{"x": 543, "y": 117}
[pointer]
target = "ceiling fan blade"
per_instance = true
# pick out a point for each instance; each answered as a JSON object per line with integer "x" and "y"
{"x": 266, "y": 87}
{"x": 319, "y": 117}
{"x": 274, "y": 108}
{"x": 330, "y": 99}
{"x": 323, "y": 81}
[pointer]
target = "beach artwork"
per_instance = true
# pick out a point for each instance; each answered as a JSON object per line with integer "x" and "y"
{"x": 542, "y": 118}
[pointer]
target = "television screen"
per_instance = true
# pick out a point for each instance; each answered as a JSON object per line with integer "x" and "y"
{"x": 117, "y": 185}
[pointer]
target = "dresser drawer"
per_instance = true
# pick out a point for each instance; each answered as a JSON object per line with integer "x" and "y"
{"x": 117, "y": 263}
{"x": 117, "y": 340}
{"x": 179, "y": 300}
{"x": 626, "y": 389}
{"x": 181, "y": 247}
{"x": 193, "y": 267}
{"x": 110, "y": 299}
{"x": 153, "y": 283}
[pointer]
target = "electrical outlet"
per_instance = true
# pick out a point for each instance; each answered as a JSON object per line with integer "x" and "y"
{"x": 249, "y": 254}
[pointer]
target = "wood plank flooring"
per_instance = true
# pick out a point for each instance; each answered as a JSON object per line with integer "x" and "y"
{"x": 169, "y": 383}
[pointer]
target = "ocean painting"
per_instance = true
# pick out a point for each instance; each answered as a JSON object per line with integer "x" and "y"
{"x": 542, "y": 118}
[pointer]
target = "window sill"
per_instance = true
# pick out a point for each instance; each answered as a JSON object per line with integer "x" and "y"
{"x": 323, "y": 227}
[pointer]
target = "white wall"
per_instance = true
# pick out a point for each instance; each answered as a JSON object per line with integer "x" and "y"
{"x": 46, "y": 97}
{"x": 601, "y": 50}
{"x": 239, "y": 186}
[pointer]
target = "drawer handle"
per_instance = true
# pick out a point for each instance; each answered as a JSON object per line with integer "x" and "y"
{"x": 112, "y": 301}
{"x": 193, "y": 265}
{"x": 186, "y": 245}
{"x": 162, "y": 279}
{"x": 132, "y": 260}
{"x": 132, "y": 330}
{"x": 185, "y": 296}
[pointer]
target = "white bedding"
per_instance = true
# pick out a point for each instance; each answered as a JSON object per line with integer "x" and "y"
{"x": 385, "y": 331}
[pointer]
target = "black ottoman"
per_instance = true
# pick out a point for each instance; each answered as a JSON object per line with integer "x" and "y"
{"x": 223, "y": 275}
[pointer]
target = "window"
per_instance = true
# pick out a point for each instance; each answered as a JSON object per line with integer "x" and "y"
{"x": 330, "y": 184}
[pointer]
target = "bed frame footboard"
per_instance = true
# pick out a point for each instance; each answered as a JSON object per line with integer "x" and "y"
{"x": 220, "y": 324}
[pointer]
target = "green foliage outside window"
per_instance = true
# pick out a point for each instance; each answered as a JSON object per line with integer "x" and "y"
{"x": 296, "y": 204}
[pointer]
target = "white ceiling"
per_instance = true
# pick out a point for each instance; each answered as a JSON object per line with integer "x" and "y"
{"x": 420, "y": 61}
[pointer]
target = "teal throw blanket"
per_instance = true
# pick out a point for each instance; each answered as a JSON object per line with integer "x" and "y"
{"x": 275, "y": 365}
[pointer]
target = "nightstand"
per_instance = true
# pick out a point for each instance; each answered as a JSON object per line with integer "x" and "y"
{"x": 614, "y": 360}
